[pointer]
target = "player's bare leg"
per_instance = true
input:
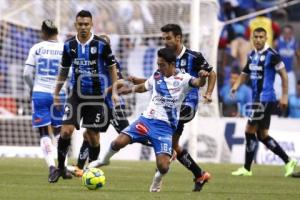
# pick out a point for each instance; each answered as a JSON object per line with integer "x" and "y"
{"x": 120, "y": 142}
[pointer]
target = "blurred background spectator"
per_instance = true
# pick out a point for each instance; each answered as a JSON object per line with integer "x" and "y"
{"x": 234, "y": 106}
{"x": 240, "y": 46}
{"x": 294, "y": 103}
{"x": 288, "y": 48}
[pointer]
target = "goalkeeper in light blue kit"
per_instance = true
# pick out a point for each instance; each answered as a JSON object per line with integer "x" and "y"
{"x": 169, "y": 87}
{"x": 40, "y": 73}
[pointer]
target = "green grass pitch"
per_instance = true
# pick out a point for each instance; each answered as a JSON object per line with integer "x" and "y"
{"x": 25, "y": 178}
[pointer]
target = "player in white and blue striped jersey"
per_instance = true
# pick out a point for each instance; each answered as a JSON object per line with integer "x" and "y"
{"x": 40, "y": 73}
{"x": 158, "y": 123}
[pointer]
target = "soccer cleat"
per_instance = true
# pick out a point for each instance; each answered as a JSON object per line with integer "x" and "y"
{"x": 156, "y": 184}
{"x": 200, "y": 181}
{"x": 66, "y": 174}
{"x": 296, "y": 174}
{"x": 51, "y": 170}
{"x": 54, "y": 176}
{"x": 241, "y": 172}
{"x": 75, "y": 171}
{"x": 57, "y": 173}
{"x": 289, "y": 167}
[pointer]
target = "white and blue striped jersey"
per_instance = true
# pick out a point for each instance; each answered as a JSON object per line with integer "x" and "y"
{"x": 45, "y": 59}
{"x": 168, "y": 94}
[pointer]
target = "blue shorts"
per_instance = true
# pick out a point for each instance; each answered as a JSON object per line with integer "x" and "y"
{"x": 43, "y": 111}
{"x": 158, "y": 132}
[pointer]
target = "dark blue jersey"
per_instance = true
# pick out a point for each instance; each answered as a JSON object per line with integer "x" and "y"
{"x": 192, "y": 62}
{"x": 261, "y": 68}
{"x": 89, "y": 61}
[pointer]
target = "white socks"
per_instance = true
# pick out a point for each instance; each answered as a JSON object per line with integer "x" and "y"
{"x": 103, "y": 161}
{"x": 48, "y": 150}
{"x": 158, "y": 175}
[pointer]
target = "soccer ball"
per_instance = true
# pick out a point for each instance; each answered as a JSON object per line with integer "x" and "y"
{"x": 93, "y": 178}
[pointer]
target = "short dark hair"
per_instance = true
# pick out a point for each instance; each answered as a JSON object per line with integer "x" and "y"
{"x": 167, "y": 54}
{"x": 84, "y": 13}
{"x": 288, "y": 26}
{"x": 49, "y": 27}
{"x": 260, "y": 29}
{"x": 174, "y": 28}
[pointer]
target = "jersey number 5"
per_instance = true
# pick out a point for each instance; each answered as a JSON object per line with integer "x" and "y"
{"x": 48, "y": 66}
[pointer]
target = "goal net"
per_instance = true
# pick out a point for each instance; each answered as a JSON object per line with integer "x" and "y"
{"x": 134, "y": 29}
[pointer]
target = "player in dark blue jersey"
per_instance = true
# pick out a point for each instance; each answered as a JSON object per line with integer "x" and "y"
{"x": 263, "y": 63}
{"x": 89, "y": 56}
{"x": 116, "y": 117}
{"x": 190, "y": 62}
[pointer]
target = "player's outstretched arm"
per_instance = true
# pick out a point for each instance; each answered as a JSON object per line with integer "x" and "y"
{"x": 140, "y": 88}
{"x": 136, "y": 80}
{"x": 124, "y": 87}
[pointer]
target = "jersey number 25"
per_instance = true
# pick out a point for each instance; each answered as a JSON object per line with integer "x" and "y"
{"x": 48, "y": 66}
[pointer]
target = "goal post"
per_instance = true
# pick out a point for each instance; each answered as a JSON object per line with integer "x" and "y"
{"x": 205, "y": 144}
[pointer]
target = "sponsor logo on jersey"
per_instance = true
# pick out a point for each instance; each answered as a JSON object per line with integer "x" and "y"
{"x": 254, "y": 67}
{"x": 165, "y": 101}
{"x": 262, "y": 58}
{"x": 48, "y": 51}
{"x": 255, "y": 76}
{"x": 81, "y": 61}
{"x": 88, "y": 71}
